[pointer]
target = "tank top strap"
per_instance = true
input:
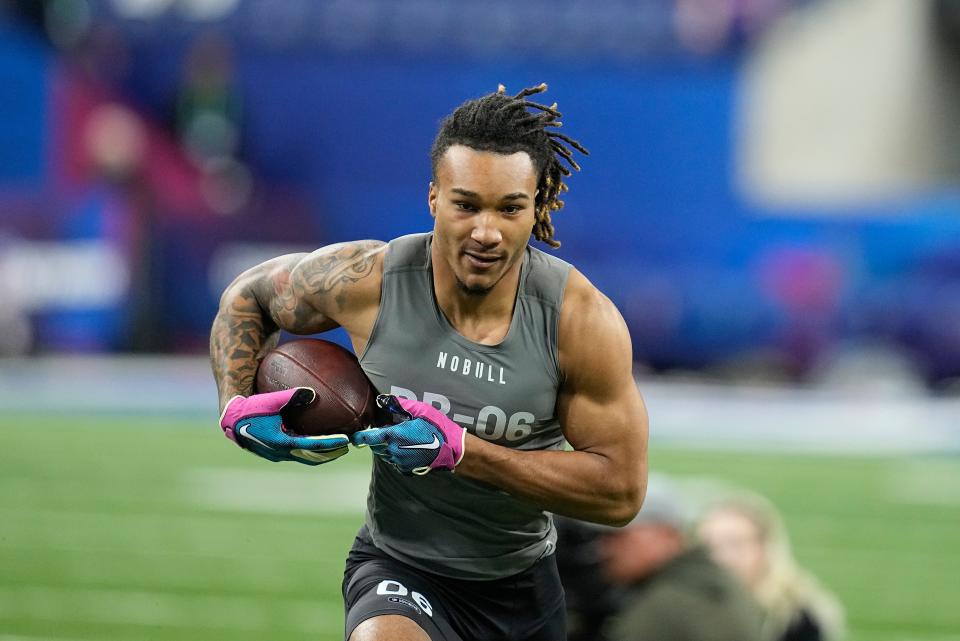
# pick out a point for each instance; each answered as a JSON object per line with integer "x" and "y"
{"x": 545, "y": 278}
{"x": 408, "y": 253}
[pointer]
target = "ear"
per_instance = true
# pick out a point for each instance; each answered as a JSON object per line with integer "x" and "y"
{"x": 432, "y": 195}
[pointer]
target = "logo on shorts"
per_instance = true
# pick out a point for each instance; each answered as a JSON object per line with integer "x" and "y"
{"x": 396, "y": 599}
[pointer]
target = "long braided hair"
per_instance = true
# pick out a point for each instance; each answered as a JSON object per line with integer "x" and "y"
{"x": 507, "y": 124}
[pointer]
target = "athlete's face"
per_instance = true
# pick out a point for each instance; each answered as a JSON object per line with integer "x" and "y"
{"x": 483, "y": 209}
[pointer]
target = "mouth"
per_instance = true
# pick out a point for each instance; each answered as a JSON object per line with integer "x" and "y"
{"x": 480, "y": 260}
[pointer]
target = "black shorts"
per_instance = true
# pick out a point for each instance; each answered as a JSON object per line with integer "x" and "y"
{"x": 524, "y": 607}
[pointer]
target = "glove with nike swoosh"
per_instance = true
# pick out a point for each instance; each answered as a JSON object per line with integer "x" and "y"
{"x": 255, "y": 423}
{"x": 424, "y": 440}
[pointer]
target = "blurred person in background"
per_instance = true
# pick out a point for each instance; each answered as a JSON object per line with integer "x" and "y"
{"x": 208, "y": 101}
{"x": 208, "y": 123}
{"x": 746, "y": 535}
{"x": 16, "y": 332}
{"x": 122, "y": 205}
{"x": 673, "y": 590}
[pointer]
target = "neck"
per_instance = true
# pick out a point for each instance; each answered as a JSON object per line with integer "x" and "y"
{"x": 483, "y": 318}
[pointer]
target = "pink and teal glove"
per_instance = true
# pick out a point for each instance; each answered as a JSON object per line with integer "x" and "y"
{"x": 255, "y": 423}
{"x": 424, "y": 440}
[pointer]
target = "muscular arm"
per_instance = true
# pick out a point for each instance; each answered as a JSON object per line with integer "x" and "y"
{"x": 299, "y": 293}
{"x": 603, "y": 418}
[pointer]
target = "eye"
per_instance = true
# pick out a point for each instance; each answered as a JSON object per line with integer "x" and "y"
{"x": 463, "y": 206}
{"x": 512, "y": 209}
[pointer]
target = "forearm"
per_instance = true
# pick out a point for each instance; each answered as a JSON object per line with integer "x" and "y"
{"x": 579, "y": 484}
{"x": 240, "y": 335}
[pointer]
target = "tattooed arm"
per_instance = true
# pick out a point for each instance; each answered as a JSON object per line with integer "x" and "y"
{"x": 334, "y": 286}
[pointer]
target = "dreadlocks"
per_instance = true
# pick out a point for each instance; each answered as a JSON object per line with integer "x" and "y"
{"x": 505, "y": 125}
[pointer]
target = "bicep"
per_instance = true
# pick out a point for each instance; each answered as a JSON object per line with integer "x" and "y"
{"x": 601, "y": 409}
{"x": 605, "y": 414}
{"x": 310, "y": 293}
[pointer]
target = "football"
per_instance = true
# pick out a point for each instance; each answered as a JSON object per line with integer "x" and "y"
{"x": 346, "y": 399}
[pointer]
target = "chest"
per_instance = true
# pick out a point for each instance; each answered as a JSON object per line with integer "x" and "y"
{"x": 505, "y": 395}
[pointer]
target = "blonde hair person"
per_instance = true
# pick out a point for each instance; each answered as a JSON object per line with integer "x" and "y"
{"x": 745, "y": 533}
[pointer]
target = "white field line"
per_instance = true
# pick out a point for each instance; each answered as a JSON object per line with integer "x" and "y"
{"x": 925, "y": 482}
{"x": 275, "y": 491}
{"x": 271, "y": 489}
{"x": 91, "y": 530}
{"x": 139, "y": 551}
{"x": 161, "y": 609}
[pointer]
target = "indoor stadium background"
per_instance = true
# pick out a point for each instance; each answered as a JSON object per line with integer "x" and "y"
{"x": 772, "y": 199}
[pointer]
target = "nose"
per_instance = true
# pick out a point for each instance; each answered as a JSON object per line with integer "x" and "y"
{"x": 485, "y": 231}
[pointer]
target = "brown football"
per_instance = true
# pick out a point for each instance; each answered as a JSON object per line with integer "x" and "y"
{"x": 346, "y": 399}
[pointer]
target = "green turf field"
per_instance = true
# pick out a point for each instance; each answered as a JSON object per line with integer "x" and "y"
{"x": 159, "y": 529}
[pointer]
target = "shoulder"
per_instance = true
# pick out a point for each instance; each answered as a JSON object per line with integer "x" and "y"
{"x": 592, "y": 334}
{"x": 584, "y": 303}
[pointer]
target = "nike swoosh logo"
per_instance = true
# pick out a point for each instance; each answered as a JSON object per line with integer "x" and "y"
{"x": 246, "y": 434}
{"x": 423, "y": 446}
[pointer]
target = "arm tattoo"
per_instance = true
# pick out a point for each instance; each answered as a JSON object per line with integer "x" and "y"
{"x": 320, "y": 278}
{"x": 348, "y": 265}
{"x": 294, "y": 295}
{"x": 237, "y": 338}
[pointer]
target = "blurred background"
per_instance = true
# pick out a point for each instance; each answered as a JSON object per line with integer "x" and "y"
{"x": 772, "y": 200}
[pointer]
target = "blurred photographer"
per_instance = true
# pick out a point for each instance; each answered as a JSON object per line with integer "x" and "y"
{"x": 673, "y": 591}
{"x": 746, "y": 535}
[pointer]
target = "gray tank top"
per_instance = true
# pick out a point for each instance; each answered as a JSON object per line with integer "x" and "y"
{"x": 504, "y": 393}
